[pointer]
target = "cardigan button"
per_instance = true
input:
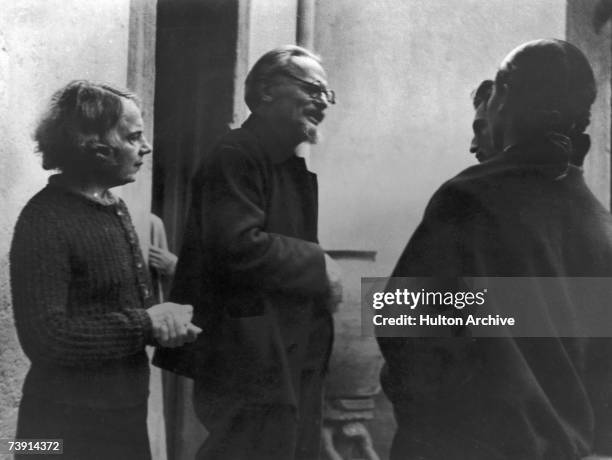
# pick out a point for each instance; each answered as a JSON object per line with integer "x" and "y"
{"x": 145, "y": 290}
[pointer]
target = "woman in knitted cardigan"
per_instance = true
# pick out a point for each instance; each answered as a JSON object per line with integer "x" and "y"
{"x": 81, "y": 294}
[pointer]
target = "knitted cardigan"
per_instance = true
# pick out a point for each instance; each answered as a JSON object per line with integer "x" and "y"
{"x": 80, "y": 288}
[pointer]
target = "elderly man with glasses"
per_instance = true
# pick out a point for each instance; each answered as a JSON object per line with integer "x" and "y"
{"x": 259, "y": 281}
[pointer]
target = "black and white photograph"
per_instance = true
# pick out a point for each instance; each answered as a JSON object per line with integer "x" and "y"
{"x": 306, "y": 229}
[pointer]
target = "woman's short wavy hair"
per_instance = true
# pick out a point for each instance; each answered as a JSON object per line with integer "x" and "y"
{"x": 274, "y": 62}
{"x": 79, "y": 116}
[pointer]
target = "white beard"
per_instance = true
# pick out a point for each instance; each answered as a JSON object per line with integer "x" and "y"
{"x": 312, "y": 134}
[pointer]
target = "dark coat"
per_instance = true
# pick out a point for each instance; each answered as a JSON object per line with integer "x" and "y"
{"x": 252, "y": 268}
{"x": 516, "y": 215}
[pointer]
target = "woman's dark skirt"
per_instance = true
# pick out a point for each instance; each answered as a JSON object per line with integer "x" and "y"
{"x": 87, "y": 434}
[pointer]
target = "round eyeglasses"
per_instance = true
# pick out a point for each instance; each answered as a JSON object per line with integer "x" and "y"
{"x": 315, "y": 90}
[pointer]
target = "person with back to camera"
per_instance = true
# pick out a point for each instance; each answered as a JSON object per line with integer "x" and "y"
{"x": 526, "y": 212}
{"x": 81, "y": 294}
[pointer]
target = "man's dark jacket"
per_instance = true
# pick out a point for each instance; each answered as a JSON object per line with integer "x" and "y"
{"x": 252, "y": 268}
{"x": 525, "y": 213}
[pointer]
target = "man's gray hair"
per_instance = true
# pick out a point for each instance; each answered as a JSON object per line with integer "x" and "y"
{"x": 274, "y": 62}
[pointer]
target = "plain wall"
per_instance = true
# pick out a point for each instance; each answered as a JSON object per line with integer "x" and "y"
{"x": 403, "y": 71}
